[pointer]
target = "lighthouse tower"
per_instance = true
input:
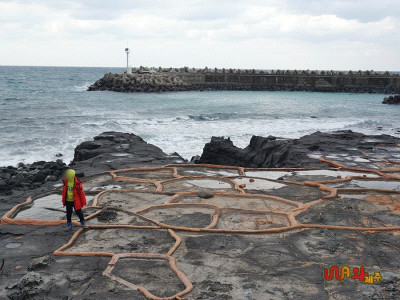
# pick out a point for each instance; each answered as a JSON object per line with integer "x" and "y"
{"x": 128, "y": 70}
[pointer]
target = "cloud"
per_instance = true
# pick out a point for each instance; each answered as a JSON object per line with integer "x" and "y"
{"x": 361, "y": 10}
{"x": 219, "y": 32}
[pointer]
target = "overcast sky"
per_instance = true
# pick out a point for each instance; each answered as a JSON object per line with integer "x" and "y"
{"x": 309, "y": 34}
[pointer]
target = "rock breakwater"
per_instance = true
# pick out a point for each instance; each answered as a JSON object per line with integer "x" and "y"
{"x": 188, "y": 79}
{"x": 392, "y": 100}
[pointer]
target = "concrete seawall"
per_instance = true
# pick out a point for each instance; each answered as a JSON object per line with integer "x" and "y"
{"x": 301, "y": 82}
{"x": 184, "y": 79}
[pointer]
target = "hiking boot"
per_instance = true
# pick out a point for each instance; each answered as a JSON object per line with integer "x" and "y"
{"x": 83, "y": 223}
{"x": 69, "y": 226}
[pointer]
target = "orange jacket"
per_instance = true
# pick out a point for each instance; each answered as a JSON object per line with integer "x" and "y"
{"x": 79, "y": 194}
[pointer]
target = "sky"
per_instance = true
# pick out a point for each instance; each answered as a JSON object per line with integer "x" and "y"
{"x": 261, "y": 34}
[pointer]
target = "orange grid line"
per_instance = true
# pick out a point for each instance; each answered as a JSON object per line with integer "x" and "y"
{"x": 171, "y": 202}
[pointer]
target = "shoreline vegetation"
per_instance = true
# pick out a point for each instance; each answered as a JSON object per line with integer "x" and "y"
{"x": 153, "y": 80}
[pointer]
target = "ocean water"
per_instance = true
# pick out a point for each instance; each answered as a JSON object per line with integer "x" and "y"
{"x": 47, "y": 110}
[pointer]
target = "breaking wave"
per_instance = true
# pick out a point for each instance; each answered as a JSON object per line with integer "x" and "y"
{"x": 60, "y": 114}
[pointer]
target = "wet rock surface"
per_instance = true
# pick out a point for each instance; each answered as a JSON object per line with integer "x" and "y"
{"x": 62, "y": 278}
{"x": 286, "y": 265}
{"x": 26, "y": 177}
{"x": 272, "y": 152}
{"x": 142, "y": 272}
{"x": 107, "y": 151}
{"x": 392, "y": 100}
{"x": 117, "y": 150}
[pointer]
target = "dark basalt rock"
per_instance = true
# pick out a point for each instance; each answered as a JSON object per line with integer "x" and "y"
{"x": 116, "y": 150}
{"x": 108, "y": 151}
{"x": 392, "y": 100}
{"x": 39, "y": 177}
{"x": 288, "y": 265}
{"x": 205, "y": 194}
{"x": 29, "y": 287}
{"x": 40, "y": 263}
{"x": 107, "y": 215}
{"x": 271, "y": 152}
{"x": 29, "y": 176}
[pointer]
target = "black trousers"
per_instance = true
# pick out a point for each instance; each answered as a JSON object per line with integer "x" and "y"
{"x": 69, "y": 205}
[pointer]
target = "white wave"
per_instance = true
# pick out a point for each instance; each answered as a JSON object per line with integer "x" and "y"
{"x": 82, "y": 88}
{"x": 185, "y": 135}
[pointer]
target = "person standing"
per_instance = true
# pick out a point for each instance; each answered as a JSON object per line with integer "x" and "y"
{"x": 73, "y": 197}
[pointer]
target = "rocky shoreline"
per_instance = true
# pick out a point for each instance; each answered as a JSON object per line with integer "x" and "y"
{"x": 272, "y": 152}
{"x": 26, "y": 177}
{"x": 30, "y": 271}
{"x": 116, "y": 150}
{"x": 108, "y": 151}
{"x": 151, "y": 80}
{"x": 392, "y": 100}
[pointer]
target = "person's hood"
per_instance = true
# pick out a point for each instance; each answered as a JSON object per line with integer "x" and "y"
{"x": 70, "y": 174}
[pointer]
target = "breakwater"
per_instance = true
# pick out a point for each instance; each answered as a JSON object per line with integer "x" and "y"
{"x": 186, "y": 79}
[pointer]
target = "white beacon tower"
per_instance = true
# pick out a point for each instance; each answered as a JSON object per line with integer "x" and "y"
{"x": 128, "y": 70}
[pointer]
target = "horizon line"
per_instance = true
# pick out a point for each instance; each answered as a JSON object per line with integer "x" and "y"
{"x": 124, "y": 67}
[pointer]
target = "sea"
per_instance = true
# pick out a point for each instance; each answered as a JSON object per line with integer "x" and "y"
{"x": 47, "y": 110}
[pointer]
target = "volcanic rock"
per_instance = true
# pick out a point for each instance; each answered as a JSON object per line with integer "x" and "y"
{"x": 392, "y": 100}
{"x": 39, "y": 263}
{"x": 205, "y": 194}
{"x": 272, "y": 152}
{"x": 116, "y": 150}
